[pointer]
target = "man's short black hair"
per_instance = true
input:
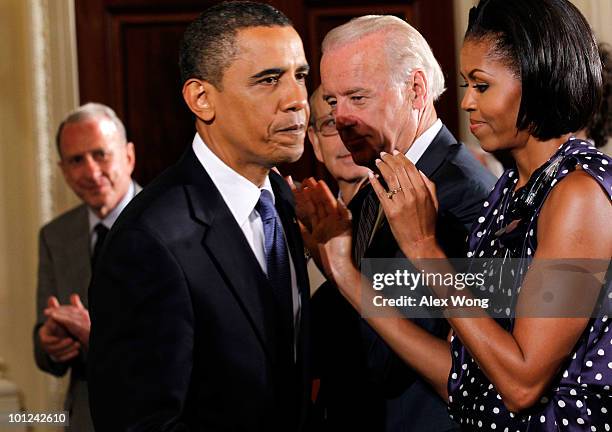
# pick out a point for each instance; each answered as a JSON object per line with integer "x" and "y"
{"x": 208, "y": 46}
{"x": 550, "y": 47}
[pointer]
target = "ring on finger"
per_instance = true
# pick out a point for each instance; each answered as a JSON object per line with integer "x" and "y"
{"x": 393, "y": 192}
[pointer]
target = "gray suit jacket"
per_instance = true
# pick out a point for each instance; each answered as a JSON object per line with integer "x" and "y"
{"x": 64, "y": 268}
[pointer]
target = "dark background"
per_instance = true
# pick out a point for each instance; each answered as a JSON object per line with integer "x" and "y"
{"x": 128, "y": 49}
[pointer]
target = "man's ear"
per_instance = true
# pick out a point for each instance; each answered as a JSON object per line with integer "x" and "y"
{"x": 63, "y": 166}
{"x": 418, "y": 90}
{"x": 198, "y": 95}
{"x": 316, "y": 146}
{"x": 131, "y": 155}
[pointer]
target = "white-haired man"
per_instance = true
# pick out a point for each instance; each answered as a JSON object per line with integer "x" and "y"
{"x": 97, "y": 162}
{"x": 381, "y": 80}
{"x": 330, "y": 150}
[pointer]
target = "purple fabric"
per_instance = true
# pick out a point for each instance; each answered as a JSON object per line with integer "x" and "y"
{"x": 579, "y": 398}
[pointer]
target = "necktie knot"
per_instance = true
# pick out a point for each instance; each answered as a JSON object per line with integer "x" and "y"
{"x": 101, "y": 232}
{"x": 265, "y": 205}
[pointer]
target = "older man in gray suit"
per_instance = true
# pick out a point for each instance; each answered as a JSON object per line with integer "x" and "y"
{"x": 97, "y": 162}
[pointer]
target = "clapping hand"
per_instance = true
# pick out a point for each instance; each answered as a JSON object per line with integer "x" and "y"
{"x": 329, "y": 225}
{"x": 74, "y": 318}
{"x": 55, "y": 340}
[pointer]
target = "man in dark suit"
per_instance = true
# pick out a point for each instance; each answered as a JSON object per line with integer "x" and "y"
{"x": 200, "y": 302}
{"x": 381, "y": 80}
{"x": 97, "y": 162}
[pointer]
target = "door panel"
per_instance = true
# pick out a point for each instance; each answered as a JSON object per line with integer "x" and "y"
{"x": 128, "y": 59}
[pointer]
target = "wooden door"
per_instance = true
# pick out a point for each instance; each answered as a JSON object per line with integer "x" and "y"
{"x": 128, "y": 59}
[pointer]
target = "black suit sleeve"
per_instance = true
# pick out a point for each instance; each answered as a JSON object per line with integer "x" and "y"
{"x": 142, "y": 336}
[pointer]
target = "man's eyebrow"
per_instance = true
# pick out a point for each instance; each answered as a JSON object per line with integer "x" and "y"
{"x": 348, "y": 92}
{"x": 355, "y": 90}
{"x": 303, "y": 68}
{"x": 266, "y": 72}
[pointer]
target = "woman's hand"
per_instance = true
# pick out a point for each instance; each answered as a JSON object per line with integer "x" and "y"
{"x": 410, "y": 205}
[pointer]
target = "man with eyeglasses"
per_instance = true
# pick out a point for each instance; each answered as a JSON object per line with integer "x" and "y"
{"x": 332, "y": 317}
{"x": 330, "y": 150}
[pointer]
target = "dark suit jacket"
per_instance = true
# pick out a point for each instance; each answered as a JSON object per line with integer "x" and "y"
{"x": 185, "y": 329}
{"x": 363, "y": 382}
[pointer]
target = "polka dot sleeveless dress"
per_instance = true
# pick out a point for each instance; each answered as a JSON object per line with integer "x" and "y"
{"x": 580, "y": 397}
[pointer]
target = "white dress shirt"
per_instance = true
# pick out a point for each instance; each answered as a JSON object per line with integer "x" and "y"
{"x": 241, "y": 196}
{"x": 420, "y": 144}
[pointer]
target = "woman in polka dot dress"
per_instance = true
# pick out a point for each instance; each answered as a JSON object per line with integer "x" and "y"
{"x": 532, "y": 76}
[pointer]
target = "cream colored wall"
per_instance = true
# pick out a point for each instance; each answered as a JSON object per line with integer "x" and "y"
{"x": 19, "y": 213}
{"x": 597, "y": 12}
{"x": 37, "y": 87}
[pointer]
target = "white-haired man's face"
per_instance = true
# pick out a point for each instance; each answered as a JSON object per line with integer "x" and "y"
{"x": 97, "y": 163}
{"x": 373, "y": 113}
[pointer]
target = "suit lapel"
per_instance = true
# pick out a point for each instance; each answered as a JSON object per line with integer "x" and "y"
{"x": 286, "y": 211}
{"x": 227, "y": 247}
{"x": 78, "y": 254}
{"x": 436, "y": 152}
{"x": 285, "y": 208}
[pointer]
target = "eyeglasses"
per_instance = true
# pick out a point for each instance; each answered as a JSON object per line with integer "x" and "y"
{"x": 327, "y": 126}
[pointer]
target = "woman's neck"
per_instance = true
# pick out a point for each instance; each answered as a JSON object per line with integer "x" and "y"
{"x": 533, "y": 155}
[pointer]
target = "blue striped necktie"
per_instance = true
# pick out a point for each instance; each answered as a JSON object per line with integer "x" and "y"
{"x": 277, "y": 258}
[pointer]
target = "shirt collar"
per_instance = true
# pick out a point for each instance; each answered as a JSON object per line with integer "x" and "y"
{"x": 239, "y": 193}
{"x": 420, "y": 144}
{"x": 112, "y": 216}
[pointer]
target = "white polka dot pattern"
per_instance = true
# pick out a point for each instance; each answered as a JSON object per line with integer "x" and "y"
{"x": 580, "y": 398}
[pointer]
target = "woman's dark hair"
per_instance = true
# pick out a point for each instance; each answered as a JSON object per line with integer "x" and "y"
{"x": 551, "y": 49}
{"x": 599, "y": 128}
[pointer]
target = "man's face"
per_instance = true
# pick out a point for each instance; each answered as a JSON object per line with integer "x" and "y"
{"x": 97, "y": 163}
{"x": 328, "y": 146}
{"x": 372, "y": 112}
{"x": 261, "y": 113}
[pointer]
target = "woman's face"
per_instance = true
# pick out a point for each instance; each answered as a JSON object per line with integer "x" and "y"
{"x": 492, "y": 97}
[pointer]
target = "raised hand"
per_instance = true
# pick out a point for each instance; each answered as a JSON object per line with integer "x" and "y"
{"x": 410, "y": 205}
{"x": 331, "y": 229}
{"x": 303, "y": 205}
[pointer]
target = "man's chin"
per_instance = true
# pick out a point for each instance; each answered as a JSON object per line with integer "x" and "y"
{"x": 364, "y": 159}
{"x": 98, "y": 204}
{"x": 289, "y": 155}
